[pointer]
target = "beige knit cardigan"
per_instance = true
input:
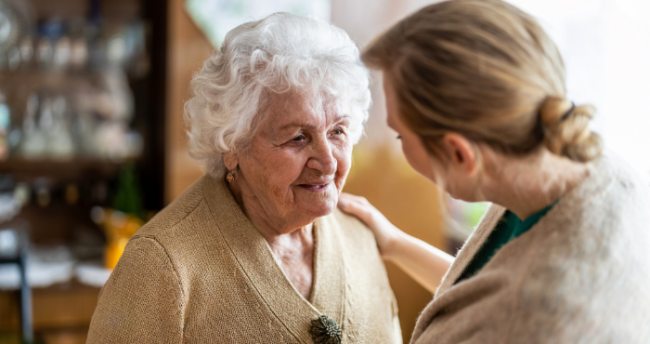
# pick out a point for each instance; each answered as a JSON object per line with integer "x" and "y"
{"x": 580, "y": 275}
{"x": 199, "y": 272}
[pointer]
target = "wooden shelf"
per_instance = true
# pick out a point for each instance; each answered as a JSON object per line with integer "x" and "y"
{"x": 25, "y": 170}
{"x": 66, "y": 305}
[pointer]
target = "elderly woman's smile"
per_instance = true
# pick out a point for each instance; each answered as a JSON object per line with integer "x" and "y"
{"x": 295, "y": 165}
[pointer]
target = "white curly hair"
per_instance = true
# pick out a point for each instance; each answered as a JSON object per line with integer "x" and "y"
{"x": 279, "y": 53}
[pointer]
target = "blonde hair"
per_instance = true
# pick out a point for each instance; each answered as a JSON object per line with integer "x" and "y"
{"x": 488, "y": 71}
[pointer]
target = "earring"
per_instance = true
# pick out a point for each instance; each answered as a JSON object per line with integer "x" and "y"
{"x": 231, "y": 176}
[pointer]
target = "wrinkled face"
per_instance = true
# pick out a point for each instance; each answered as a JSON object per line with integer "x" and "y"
{"x": 296, "y": 165}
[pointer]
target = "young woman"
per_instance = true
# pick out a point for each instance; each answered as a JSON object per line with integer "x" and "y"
{"x": 476, "y": 91}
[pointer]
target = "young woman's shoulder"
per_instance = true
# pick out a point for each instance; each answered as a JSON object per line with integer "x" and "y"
{"x": 615, "y": 191}
{"x": 577, "y": 276}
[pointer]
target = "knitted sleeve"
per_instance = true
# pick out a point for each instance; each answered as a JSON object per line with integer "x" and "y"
{"x": 142, "y": 301}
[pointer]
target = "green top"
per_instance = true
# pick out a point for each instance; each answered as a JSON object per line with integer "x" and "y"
{"x": 508, "y": 228}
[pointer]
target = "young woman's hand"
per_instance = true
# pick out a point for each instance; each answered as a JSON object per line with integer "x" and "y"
{"x": 425, "y": 263}
{"x": 386, "y": 234}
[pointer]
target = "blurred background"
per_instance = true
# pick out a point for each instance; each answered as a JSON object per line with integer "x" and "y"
{"x": 92, "y": 142}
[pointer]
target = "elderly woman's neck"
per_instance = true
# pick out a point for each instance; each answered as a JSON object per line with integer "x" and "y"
{"x": 292, "y": 243}
{"x": 275, "y": 228}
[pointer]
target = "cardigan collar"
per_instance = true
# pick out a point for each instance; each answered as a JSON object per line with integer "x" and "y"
{"x": 258, "y": 263}
{"x": 471, "y": 247}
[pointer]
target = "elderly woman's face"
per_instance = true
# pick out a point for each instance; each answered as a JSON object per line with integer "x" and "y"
{"x": 297, "y": 163}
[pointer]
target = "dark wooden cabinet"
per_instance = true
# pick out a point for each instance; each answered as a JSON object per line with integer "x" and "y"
{"x": 62, "y": 312}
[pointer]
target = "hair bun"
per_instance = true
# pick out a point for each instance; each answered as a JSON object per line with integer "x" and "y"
{"x": 566, "y": 129}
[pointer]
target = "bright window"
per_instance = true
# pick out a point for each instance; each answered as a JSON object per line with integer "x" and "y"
{"x": 606, "y": 48}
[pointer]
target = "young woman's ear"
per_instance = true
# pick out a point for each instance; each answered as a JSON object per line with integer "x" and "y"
{"x": 230, "y": 160}
{"x": 461, "y": 152}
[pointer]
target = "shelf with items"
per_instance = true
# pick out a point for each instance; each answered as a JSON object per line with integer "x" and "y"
{"x": 80, "y": 91}
{"x": 79, "y": 169}
{"x": 64, "y": 97}
{"x": 82, "y": 124}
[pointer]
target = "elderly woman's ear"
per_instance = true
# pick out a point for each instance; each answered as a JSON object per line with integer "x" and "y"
{"x": 230, "y": 160}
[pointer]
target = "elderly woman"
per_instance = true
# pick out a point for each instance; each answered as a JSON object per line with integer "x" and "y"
{"x": 255, "y": 251}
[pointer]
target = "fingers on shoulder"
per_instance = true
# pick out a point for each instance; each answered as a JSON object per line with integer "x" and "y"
{"x": 354, "y": 198}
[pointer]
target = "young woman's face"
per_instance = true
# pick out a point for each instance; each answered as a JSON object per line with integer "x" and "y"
{"x": 459, "y": 172}
{"x": 412, "y": 146}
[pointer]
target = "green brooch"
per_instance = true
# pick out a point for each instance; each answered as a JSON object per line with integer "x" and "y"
{"x": 325, "y": 331}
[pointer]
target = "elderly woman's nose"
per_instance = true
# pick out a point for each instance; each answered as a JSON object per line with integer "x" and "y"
{"x": 323, "y": 159}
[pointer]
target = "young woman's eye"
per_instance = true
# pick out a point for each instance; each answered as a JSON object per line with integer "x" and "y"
{"x": 399, "y": 137}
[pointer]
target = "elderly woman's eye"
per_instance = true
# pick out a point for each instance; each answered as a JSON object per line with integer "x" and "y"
{"x": 337, "y": 131}
{"x": 298, "y": 138}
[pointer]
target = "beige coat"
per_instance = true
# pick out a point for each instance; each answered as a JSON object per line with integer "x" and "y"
{"x": 580, "y": 275}
{"x": 199, "y": 272}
